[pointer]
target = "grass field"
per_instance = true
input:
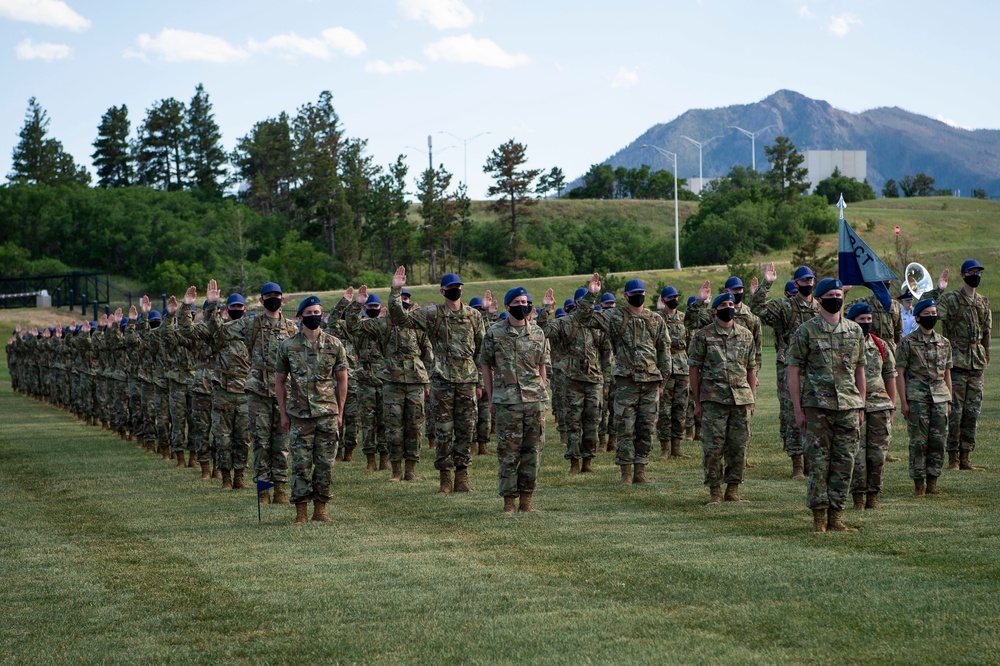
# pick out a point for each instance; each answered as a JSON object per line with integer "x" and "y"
{"x": 112, "y": 556}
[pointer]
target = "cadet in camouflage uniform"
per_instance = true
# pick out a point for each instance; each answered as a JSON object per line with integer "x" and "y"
{"x": 826, "y": 379}
{"x": 406, "y": 355}
{"x": 484, "y": 421}
{"x": 880, "y": 406}
{"x": 557, "y": 377}
{"x": 183, "y": 337}
{"x": 923, "y": 382}
{"x": 351, "y": 416}
{"x": 311, "y": 388}
{"x": 153, "y": 339}
{"x": 369, "y": 377}
{"x": 676, "y": 390}
{"x": 606, "y": 438}
{"x": 262, "y": 335}
{"x": 785, "y": 315}
{"x": 642, "y": 363}
{"x": 586, "y": 353}
{"x": 456, "y": 331}
{"x": 179, "y": 364}
{"x": 513, "y": 360}
{"x": 723, "y": 374}
{"x": 966, "y": 321}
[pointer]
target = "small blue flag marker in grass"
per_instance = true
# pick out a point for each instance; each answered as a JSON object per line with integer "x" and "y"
{"x": 261, "y": 487}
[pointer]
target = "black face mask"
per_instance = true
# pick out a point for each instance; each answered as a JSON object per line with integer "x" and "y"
{"x": 972, "y": 280}
{"x": 738, "y": 297}
{"x": 153, "y": 324}
{"x": 725, "y": 314}
{"x": 672, "y": 303}
{"x": 236, "y": 314}
{"x": 928, "y": 321}
{"x": 407, "y": 304}
{"x": 373, "y": 312}
{"x": 636, "y": 300}
{"x": 805, "y": 290}
{"x": 312, "y": 322}
{"x": 832, "y": 305}
{"x": 519, "y": 311}
{"x": 570, "y": 308}
{"x": 272, "y": 304}
{"x": 453, "y": 293}
{"x": 866, "y": 327}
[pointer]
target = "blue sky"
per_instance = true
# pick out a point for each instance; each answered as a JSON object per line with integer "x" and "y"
{"x": 574, "y": 80}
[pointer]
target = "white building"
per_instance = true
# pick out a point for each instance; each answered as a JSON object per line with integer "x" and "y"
{"x": 821, "y": 163}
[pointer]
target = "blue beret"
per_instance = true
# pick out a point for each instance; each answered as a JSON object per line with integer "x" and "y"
{"x": 668, "y": 292}
{"x": 568, "y": 302}
{"x": 734, "y": 283}
{"x": 724, "y": 297}
{"x": 791, "y": 287}
{"x": 608, "y": 297}
{"x": 514, "y": 293}
{"x": 691, "y": 300}
{"x": 924, "y": 304}
{"x": 476, "y": 302}
{"x": 560, "y": 313}
{"x": 859, "y": 309}
{"x": 504, "y": 315}
{"x": 206, "y": 305}
{"x": 124, "y": 322}
{"x": 306, "y": 302}
{"x": 803, "y": 272}
{"x": 235, "y": 299}
{"x": 373, "y": 299}
{"x": 154, "y": 315}
{"x": 597, "y": 308}
{"x": 450, "y": 280}
{"x": 404, "y": 292}
{"x": 971, "y": 264}
{"x": 269, "y": 287}
{"x": 635, "y": 284}
{"x": 52, "y": 329}
{"x": 826, "y": 284}
{"x": 79, "y": 327}
{"x": 580, "y": 293}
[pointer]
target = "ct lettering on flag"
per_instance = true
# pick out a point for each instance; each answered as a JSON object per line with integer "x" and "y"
{"x": 859, "y": 265}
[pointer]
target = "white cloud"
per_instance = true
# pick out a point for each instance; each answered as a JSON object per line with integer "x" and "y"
{"x": 951, "y": 122}
{"x": 291, "y": 45}
{"x": 806, "y": 13}
{"x": 399, "y": 67}
{"x": 54, "y": 13}
{"x": 468, "y": 49}
{"x": 625, "y": 78}
{"x": 184, "y": 46}
{"x": 441, "y": 14}
{"x": 841, "y": 25}
{"x": 29, "y": 50}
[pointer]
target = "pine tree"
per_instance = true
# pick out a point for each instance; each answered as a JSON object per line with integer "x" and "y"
{"x": 512, "y": 186}
{"x": 264, "y": 161}
{"x": 40, "y": 160}
{"x": 787, "y": 175}
{"x": 205, "y": 158}
{"x": 112, "y": 156}
{"x": 161, "y": 152}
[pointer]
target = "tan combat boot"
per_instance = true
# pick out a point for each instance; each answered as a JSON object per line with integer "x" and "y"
{"x": 918, "y": 488}
{"x": 216, "y": 473}
{"x": 179, "y": 456}
{"x": 639, "y": 474}
{"x": 574, "y": 466}
{"x": 586, "y": 467}
{"x": 664, "y": 450}
{"x": 675, "y": 449}
{"x": 562, "y": 440}
{"x": 689, "y": 433}
{"x": 872, "y": 501}
{"x": 462, "y": 480}
{"x": 715, "y": 495}
{"x": 150, "y": 446}
{"x": 835, "y": 524}
{"x": 206, "y": 470}
{"x": 349, "y": 454}
{"x": 371, "y": 462}
{"x": 301, "y": 513}
{"x": 931, "y": 487}
{"x": 192, "y": 459}
{"x": 280, "y": 493}
{"x": 626, "y": 475}
{"x": 509, "y": 505}
{"x": 445, "y": 487}
{"x": 525, "y": 504}
{"x": 483, "y": 449}
{"x": 227, "y": 481}
{"x": 819, "y": 520}
{"x": 383, "y": 462}
{"x": 612, "y": 443}
{"x": 953, "y": 460}
{"x": 397, "y": 471}
{"x": 319, "y": 512}
{"x": 238, "y": 482}
{"x": 697, "y": 432}
{"x": 797, "y": 470}
{"x": 602, "y": 442}
{"x": 410, "y": 472}
{"x": 733, "y": 493}
{"x": 430, "y": 442}
{"x": 859, "y": 501}
{"x": 165, "y": 452}
{"x": 964, "y": 464}
{"x": 264, "y": 497}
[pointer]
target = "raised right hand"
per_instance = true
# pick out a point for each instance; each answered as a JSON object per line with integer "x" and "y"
{"x": 349, "y": 293}
{"x": 770, "y": 274}
{"x": 362, "y": 296}
{"x": 145, "y": 305}
{"x": 943, "y": 280}
{"x": 212, "y": 292}
{"x": 754, "y": 283}
{"x": 399, "y": 278}
{"x": 549, "y": 298}
{"x": 191, "y": 295}
{"x": 705, "y": 293}
{"x": 595, "y": 284}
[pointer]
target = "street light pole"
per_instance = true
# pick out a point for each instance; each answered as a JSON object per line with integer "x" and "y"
{"x": 429, "y": 152}
{"x": 753, "y": 142}
{"x": 465, "y": 152}
{"x": 701, "y": 176}
{"x": 677, "y": 218}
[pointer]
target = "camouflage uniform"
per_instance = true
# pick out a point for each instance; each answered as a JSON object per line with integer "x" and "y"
{"x": 179, "y": 364}
{"x": 517, "y": 355}
{"x": 925, "y": 359}
{"x": 886, "y": 326}
{"x": 585, "y": 354}
{"x": 827, "y": 356}
{"x": 406, "y": 354}
{"x": 200, "y": 354}
{"x": 967, "y": 324}
{"x": 784, "y": 315}
{"x": 457, "y": 336}
{"x": 160, "y": 398}
{"x": 673, "y": 405}
{"x": 312, "y": 408}
{"x": 876, "y": 431}
{"x": 724, "y": 358}
{"x": 368, "y": 375}
{"x": 262, "y": 335}
{"x": 641, "y": 346}
{"x": 336, "y": 327}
